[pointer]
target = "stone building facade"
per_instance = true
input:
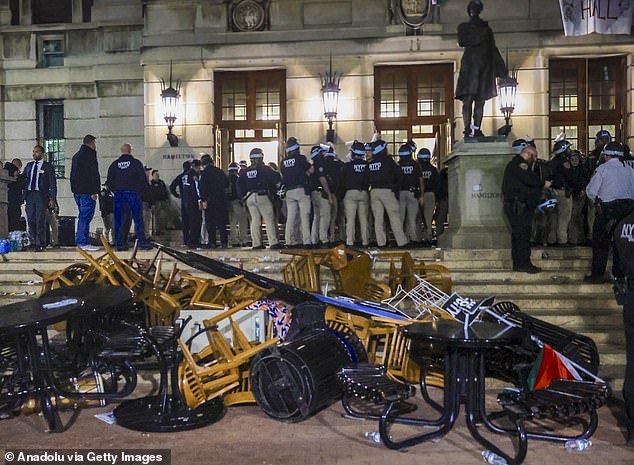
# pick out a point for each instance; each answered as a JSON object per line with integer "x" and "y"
{"x": 249, "y": 74}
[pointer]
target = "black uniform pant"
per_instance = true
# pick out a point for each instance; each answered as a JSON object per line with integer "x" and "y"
{"x": 14, "y": 212}
{"x": 520, "y": 220}
{"x": 217, "y": 218}
{"x": 36, "y": 205}
{"x": 186, "y": 223}
{"x": 628, "y": 384}
{"x": 602, "y": 230}
{"x": 195, "y": 221}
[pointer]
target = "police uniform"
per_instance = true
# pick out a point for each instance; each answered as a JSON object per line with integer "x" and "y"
{"x": 383, "y": 174}
{"x": 294, "y": 169}
{"x": 602, "y": 138}
{"x": 612, "y": 186}
{"x": 430, "y": 182}
{"x": 213, "y": 188}
{"x": 576, "y": 228}
{"x": 521, "y": 189}
{"x": 127, "y": 180}
{"x": 255, "y": 184}
{"x": 320, "y": 198}
{"x": 356, "y": 201}
{"x": 238, "y": 215}
{"x": 562, "y": 186}
{"x": 332, "y": 166}
{"x": 190, "y": 198}
{"x": 176, "y": 188}
{"x": 624, "y": 291}
{"x": 410, "y": 190}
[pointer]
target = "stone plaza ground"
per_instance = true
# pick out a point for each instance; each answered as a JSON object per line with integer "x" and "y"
{"x": 246, "y": 436}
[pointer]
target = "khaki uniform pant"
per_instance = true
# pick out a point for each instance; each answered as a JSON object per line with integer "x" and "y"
{"x": 260, "y": 207}
{"x": 356, "y": 202}
{"x": 559, "y": 231}
{"x": 408, "y": 204}
{"x": 321, "y": 218}
{"x": 297, "y": 204}
{"x": 382, "y": 201}
{"x": 238, "y": 223}
{"x": 429, "y": 205}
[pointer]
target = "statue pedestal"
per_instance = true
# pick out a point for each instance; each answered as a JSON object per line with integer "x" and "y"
{"x": 476, "y": 216}
{"x": 4, "y": 202}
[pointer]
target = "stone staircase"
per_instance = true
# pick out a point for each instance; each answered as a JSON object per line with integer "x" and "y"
{"x": 557, "y": 295}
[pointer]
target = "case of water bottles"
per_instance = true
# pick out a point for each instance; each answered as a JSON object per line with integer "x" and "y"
{"x": 16, "y": 242}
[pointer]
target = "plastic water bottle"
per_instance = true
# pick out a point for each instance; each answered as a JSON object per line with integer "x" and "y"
{"x": 257, "y": 328}
{"x": 492, "y": 458}
{"x": 577, "y": 445}
{"x": 373, "y": 436}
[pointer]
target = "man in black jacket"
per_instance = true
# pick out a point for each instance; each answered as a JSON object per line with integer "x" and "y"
{"x": 176, "y": 188}
{"x": 213, "y": 187}
{"x": 85, "y": 184}
{"x": 41, "y": 193}
{"x": 126, "y": 178}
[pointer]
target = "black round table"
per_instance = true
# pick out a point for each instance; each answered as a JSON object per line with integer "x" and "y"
{"x": 25, "y": 322}
{"x": 464, "y": 351}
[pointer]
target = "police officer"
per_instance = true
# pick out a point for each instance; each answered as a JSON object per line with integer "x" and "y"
{"x": 354, "y": 187}
{"x": 321, "y": 198}
{"x": 576, "y": 229}
{"x": 106, "y": 207}
{"x": 383, "y": 175}
{"x": 612, "y": 188}
{"x": 410, "y": 190}
{"x": 442, "y": 200}
{"x": 176, "y": 188}
{"x": 238, "y": 215}
{"x": 521, "y": 188}
{"x": 624, "y": 291}
{"x": 430, "y": 183}
{"x": 213, "y": 187}
{"x": 562, "y": 186}
{"x": 191, "y": 202}
{"x": 602, "y": 138}
{"x": 254, "y": 186}
{"x": 127, "y": 180}
{"x": 295, "y": 171}
{"x": 332, "y": 167}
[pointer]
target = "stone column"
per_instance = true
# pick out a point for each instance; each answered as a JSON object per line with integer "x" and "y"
{"x": 476, "y": 216}
{"x": 4, "y": 202}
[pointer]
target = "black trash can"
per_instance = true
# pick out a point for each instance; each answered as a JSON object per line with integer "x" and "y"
{"x": 67, "y": 231}
{"x": 292, "y": 381}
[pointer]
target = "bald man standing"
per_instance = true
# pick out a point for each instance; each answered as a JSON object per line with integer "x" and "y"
{"x": 127, "y": 180}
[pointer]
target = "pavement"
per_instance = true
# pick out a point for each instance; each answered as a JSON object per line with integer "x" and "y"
{"x": 247, "y": 436}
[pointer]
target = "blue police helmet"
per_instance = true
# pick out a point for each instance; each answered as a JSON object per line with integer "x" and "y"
{"x": 233, "y": 166}
{"x": 424, "y": 154}
{"x": 613, "y": 149}
{"x": 519, "y": 144}
{"x": 292, "y": 145}
{"x": 358, "y": 148}
{"x": 256, "y": 153}
{"x": 561, "y": 146}
{"x": 378, "y": 146}
{"x": 316, "y": 150}
{"x": 406, "y": 150}
{"x": 603, "y": 134}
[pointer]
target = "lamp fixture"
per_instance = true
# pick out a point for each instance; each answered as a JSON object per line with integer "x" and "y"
{"x": 170, "y": 97}
{"x": 330, "y": 96}
{"x": 507, "y": 95}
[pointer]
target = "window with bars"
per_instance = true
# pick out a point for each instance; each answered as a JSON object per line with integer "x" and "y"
{"x": 586, "y": 95}
{"x": 50, "y": 133}
{"x": 411, "y": 104}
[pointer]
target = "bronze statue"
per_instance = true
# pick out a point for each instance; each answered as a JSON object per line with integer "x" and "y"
{"x": 481, "y": 63}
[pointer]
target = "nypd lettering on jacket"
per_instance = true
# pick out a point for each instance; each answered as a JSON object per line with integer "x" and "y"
{"x": 359, "y": 168}
{"x": 627, "y": 232}
{"x": 289, "y": 162}
{"x": 123, "y": 165}
{"x": 426, "y": 174}
{"x": 376, "y": 166}
{"x": 252, "y": 174}
{"x": 408, "y": 170}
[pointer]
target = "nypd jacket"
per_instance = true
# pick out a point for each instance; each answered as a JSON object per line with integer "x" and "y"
{"x": 126, "y": 173}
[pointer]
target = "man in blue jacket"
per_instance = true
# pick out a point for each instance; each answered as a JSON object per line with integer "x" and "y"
{"x": 41, "y": 193}
{"x": 85, "y": 184}
{"x": 127, "y": 180}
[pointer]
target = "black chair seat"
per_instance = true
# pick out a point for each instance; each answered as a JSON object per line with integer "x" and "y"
{"x": 372, "y": 383}
{"x": 562, "y": 399}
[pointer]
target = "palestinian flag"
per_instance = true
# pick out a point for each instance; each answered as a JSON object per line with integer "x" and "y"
{"x": 550, "y": 365}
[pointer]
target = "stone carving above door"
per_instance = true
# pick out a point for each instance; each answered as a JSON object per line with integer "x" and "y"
{"x": 249, "y": 15}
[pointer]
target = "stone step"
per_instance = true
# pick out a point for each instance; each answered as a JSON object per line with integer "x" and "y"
{"x": 554, "y": 302}
{"x": 471, "y": 288}
{"x": 556, "y": 276}
{"x": 497, "y": 254}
